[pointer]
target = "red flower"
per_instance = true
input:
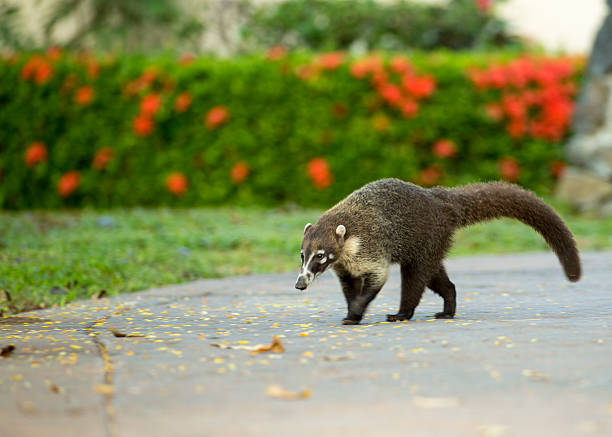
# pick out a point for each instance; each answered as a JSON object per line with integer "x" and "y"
{"x": 93, "y": 69}
{"x": 35, "y": 153}
{"x": 444, "y": 148}
{"x": 38, "y": 69}
{"x": 150, "y": 104}
{"x": 494, "y": 111}
{"x": 409, "y": 108}
{"x": 509, "y": 169}
{"x": 400, "y": 65}
{"x": 483, "y": 5}
{"x": 430, "y": 175}
{"x": 84, "y": 95}
{"x": 391, "y": 93}
{"x": 54, "y": 53}
{"x": 182, "y": 102}
{"x": 186, "y": 59}
{"x": 305, "y": 71}
{"x": 102, "y": 157}
{"x": 419, "y": 86}
{"x": 176, "y": 183}
{"x": 277, "y": 53}
{"x": 516, "y": 128}
{"x": 239, "y": 172}
{"x": 216, "y": 116}
{"x": 514, "y": 106}
{"x": 148, "y": 76}
{"x": 557, "y": 167}
{"x": 68, "y": 183}
{"x": 319, "y": 173}
{"x": 359, "y": 69}
{"x": 143, "y": 125}
{"x": 330, "y": 61}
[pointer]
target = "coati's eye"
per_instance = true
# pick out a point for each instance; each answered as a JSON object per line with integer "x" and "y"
{"x": 319, "y": 255}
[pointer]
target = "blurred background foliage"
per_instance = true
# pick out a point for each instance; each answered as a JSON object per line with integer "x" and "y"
{"x": 244, "y": 25}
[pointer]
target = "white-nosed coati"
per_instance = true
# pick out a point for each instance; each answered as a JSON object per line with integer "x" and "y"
{"x": 391, "y": 221}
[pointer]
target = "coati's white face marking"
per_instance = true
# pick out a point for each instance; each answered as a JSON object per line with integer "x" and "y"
{"x": 315, "y": 260}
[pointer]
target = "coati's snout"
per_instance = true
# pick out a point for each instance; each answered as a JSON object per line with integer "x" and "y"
{"x": 317, "y": 253}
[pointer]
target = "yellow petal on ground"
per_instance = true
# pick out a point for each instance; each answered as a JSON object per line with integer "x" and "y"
{"x": 425, "y": 402}
{"x": 104, "y": 389}
{"x": 278, "y": 392}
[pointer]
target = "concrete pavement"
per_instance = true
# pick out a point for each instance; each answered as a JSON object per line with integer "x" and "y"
{"x": 528, "y": 354}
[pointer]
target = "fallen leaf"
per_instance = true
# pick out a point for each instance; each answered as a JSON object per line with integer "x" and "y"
{"x": 121, "y": 334}
{"x": 534, "y": 375}
{"x": 424, "y": 402}
{"x": 338, "y": 357}
{"x": 276, "y": 346}
{"x": 99, "y": 295}
{"x": 277, "y": 391}
{"x": 7, "y": 350}
{"x": 104, "y": 389}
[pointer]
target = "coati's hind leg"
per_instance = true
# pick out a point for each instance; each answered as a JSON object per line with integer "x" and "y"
{"x": 413, "y": 287}
{"x": 367, "y": 288}
{"x": 440, "y": 284}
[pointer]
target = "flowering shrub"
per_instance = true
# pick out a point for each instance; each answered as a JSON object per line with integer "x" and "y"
{"x": 80, "y": 130}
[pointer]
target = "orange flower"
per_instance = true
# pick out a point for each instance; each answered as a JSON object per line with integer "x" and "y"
{"x": 400, "y": 65}
{"x": 330, "y": 61}
{"x": 143, "y": 125}
{"x": 35, "y": 153}
{"x": 176, "y": 183}
{"x": 102, "y": 157}
{"x": 54, "y": 53}
{"x": 444, "y": 148}
{"x": 84, "y": 95}
{"x": 409, "y": 108}
{"x": 509, "y": 169}
{"x": 494, "y": 111}
{"x": 277, "y": 53}
{"x": 150, "y": 104}
{"x": 419, "y": 86}
{"x": 182, "y": 102}
{"x": 68, "y": 183}
{"x": 430, "y": 175}
{"x": 239, "y": 172}
{"x": 216, "y": 116}
{"x": 93, "y": 69}
{"x": 38, "y": 69}
{"x": 319, "y": 173}
{"x": 557, "y": 167}
{"x": 186, "y": 59}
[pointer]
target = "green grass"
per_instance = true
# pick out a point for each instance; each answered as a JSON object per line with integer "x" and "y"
{"x": 49, "y": 258}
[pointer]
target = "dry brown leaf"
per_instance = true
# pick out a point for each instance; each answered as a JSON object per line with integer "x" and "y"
{"x": 278, "y": 392}
{"x": 104, "y": 389}
{"x": 424, "y": 402}
{"x": 276, "y": 346}
{"x": 121, "y": 334}
{"x": 338, "y": 357}
{"x": 7, "y": 350}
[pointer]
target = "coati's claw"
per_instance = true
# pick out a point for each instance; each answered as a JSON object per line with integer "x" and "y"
{"x": 350, "y": 322}
{"x": 399, "y": 317}
{"x": 444, "y": 316}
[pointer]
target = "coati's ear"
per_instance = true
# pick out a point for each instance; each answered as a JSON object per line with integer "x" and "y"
{"x": 340, "y": 232}
{"x": 308, "y": 226}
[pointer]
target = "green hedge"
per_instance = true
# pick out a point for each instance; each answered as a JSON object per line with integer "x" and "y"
{"x": 272, "y": 129}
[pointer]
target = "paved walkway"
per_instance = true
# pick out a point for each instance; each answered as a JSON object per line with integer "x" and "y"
{"x": 528, "y": 354}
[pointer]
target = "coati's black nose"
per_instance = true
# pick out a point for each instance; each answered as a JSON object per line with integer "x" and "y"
{"x": 301, "y": 284}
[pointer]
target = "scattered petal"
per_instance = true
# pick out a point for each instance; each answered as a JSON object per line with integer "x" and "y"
{"x": 277, "y": 391}
{"x": 425, "y": 402}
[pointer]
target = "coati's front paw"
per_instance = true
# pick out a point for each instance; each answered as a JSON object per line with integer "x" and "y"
{"x": 444, "y": 315}
{"x": 352, "y": 319}
{"x": 399, "y": 317}
{"x": 347, "y": 321}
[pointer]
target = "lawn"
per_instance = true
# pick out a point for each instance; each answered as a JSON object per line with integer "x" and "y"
{"x": 49, "y": 258}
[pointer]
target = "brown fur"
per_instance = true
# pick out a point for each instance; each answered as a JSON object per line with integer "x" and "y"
{"x": 391, "y": 221}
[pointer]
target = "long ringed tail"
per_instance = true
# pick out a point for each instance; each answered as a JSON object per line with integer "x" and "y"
{"x": 485, "y": 201}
